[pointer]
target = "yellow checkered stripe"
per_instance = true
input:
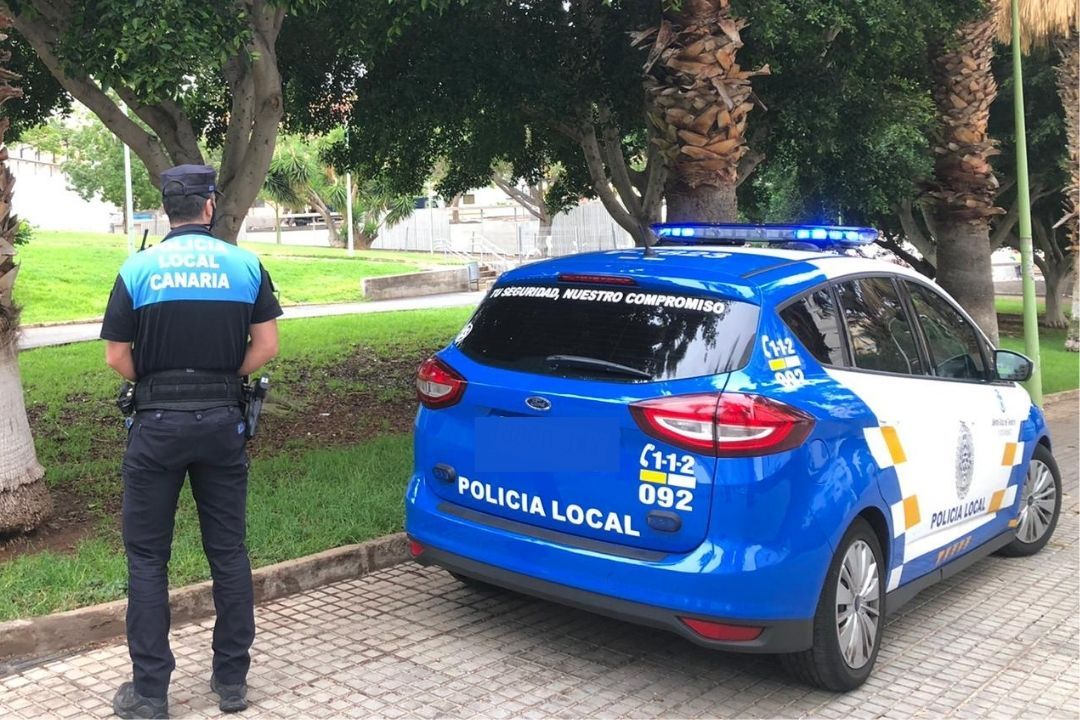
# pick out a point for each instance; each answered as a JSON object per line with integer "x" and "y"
{"x": 678, "y": 480}
{"x": 784, "y": 363}
{"x": 1014, "y": 453}
{"x": 885, "y": 446}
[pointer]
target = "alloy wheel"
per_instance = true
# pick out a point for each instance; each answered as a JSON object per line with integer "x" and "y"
{"x": 1037, "y": 502}
{"x": 858, "y": 604}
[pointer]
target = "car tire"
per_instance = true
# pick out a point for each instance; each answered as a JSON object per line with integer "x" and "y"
{"x": 826, "y": 664}
{"x": 1040, "y": 505}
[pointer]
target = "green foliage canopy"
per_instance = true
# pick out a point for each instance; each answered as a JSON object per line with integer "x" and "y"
{"x": 189, "y": 73}
{"x": 485, "y": 82}
{"x": 845, "y": 134}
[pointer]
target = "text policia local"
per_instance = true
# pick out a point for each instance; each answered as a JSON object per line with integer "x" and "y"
{"x": 534, "y": 505}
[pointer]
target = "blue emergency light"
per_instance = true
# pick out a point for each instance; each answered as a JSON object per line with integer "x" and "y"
{"x": 822, "y": 236}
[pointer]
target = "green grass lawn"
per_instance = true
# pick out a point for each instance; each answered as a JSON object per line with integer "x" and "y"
{"x": 1011, "y": 305}
{"x": 67, "y": 276}
{"x": 345, "y": 380}
{"x": 1060, "y": 368}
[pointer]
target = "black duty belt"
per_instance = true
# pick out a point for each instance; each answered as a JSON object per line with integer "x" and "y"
{"x": 187, "y": 390}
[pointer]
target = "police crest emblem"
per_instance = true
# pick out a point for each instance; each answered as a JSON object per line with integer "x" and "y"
{"x": 965, "y": 461}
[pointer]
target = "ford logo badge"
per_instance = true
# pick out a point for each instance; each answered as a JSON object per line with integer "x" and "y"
{"x": 538, "y": 403}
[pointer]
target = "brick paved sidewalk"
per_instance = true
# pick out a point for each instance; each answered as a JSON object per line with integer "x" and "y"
{"x": 998, "y": 640}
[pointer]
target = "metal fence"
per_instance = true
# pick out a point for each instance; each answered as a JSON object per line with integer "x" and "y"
{"x": 584, "y": 228}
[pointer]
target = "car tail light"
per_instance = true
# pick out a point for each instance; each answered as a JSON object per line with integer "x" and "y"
{"x": 722, "y": 631}
{"x": 415, "y": 548}
{"x": 438, "y": 385}
{"x": 728, "y": 425}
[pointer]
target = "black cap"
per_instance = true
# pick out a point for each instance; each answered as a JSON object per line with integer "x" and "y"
{"x": 189, "y": 180}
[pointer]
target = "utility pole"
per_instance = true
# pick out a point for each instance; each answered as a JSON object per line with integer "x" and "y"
{"x": 348, "y": 213}
{"x": 348, "y": 203}
{"x": 1031, "y": 319}
{"x": 431, "y": 224}
{"x": 129, "y": 209}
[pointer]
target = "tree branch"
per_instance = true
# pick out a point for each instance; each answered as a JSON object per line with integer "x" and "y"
{"x": 568, "y": 130}
{"x": 1008, "y": 221}
{"x": 536, "y": 192}
{"x": 251, "y": 158}
{"x": 616, "y": 163}
{"x": 42, "y": 37}
{"x": 170, "y": 124}
{"x": 519, "y": 197}
{"x": 602, "y": 186}
{"x": 747, "y": 165}
{"x": 914, "y": 234}
{"x": 921, "y": 264}
{"x": 241, "y": 117}
{"x": 656, "y": 171}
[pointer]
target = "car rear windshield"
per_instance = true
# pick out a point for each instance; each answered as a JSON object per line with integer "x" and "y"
{"x": 616, "y": 333}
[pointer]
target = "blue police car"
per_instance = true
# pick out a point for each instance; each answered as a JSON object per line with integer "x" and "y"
{"x": 760, "y": 448}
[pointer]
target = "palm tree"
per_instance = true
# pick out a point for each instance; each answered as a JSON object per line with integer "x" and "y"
{"x": 297, "y": 178}
{"x": 1043, "y": 22}
{"x": 961, "y": 194}
{"x": 24, "y": 499}
{"x": 374, "y": 207}
{"x": 699, "y": 98}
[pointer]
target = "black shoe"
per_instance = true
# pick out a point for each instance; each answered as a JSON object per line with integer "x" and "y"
{"x": 233, "y": 697}
{"x": 129, "y": 704}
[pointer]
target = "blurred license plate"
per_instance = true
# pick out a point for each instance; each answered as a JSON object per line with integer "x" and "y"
{"x": 546, "y": 444}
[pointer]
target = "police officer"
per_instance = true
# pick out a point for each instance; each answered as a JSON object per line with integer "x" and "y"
{"x": 186, "y": 320}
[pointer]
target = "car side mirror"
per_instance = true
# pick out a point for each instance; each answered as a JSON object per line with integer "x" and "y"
{"x": 1012, "y": 366}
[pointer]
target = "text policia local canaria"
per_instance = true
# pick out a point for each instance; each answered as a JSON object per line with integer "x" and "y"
{"x": 183, "y": 267}
{"x": 613, "y": 296}
{"x": 534, "y": 505}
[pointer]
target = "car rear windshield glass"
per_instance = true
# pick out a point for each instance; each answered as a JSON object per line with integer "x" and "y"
{"x": 618, "y": 334}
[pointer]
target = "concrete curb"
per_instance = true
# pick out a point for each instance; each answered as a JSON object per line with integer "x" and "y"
{"x": 51, "y": 634}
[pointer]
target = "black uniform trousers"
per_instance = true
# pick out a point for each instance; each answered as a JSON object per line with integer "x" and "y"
{"x": 163, "y": 447}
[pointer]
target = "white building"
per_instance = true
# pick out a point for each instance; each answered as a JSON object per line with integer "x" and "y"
{"x": 42, "y": 196}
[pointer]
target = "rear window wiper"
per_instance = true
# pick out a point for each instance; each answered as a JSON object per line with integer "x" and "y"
{"x": 589, "y": 363}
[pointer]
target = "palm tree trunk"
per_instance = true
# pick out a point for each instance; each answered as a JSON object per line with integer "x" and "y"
{"x": 965, "y": 269}
{"x": 716, "y": 203}
{"x": 699, "y": 99}
{"x": 962, "y": 191}
{"x": 1068, "y": 76}
{"x": 24, "y": 499}
{"x": 364, "y": 239}
{"x": 25, "y": 502}
{"x": 1072, "y": 341}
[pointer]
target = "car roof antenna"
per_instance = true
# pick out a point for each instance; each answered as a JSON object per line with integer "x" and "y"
{"x": 650, "y": 240}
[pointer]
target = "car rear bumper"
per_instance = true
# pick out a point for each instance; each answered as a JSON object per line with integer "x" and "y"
{"x": 771, "y": 588}
{"x": 778, "y": 636}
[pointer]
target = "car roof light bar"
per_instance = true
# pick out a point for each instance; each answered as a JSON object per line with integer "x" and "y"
{"x": 822, "y": 236}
